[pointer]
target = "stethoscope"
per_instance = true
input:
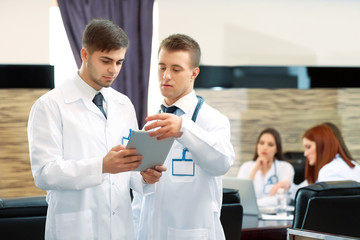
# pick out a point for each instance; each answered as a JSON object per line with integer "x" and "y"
{"x": 273, "y": 179}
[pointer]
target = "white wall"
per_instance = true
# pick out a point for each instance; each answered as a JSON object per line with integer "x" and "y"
{"x": 24, "y": 31}
{"x": 268, "y": 32}
{"x": 230, "y": 32}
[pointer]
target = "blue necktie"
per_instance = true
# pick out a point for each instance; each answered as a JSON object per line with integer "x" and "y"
{"x": 171, "y": 109}
{"x": 98, "y": 100}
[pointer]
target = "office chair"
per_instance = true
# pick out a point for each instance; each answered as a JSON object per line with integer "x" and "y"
{"x": 23, "y": 218}
{"x": 297, "y": 160}
{"x": 329, "y": 207}
{"x": 231, "y": 214}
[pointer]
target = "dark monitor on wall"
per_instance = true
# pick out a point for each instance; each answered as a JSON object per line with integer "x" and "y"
{"x": 334, "y": 77}
{"x": 26, "y": 76}
{"x": 277, "y": 77}
{"x": 246, "y": 77}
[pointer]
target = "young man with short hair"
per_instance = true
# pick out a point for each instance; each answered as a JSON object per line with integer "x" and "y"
{"x": 75, "y": 133}
{"x": 188, "y": 197}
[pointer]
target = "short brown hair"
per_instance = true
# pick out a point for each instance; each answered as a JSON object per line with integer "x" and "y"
{"x": 182, "y": 42}
{"x": 104, "y": 35}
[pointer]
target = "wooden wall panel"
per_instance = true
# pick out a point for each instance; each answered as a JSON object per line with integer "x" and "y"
{"x": 290, "y": 111}
{"x": 349, "y": 110}
{"x": 230, "y": 102}
{"x": 15, "y": 173}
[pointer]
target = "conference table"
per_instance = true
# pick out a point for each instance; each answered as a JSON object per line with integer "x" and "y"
{"x": 254, "y": 228}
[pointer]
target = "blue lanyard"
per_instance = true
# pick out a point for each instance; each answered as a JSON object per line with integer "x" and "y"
{"x": 194, "y": 116}
{"x": 198, "y": 106}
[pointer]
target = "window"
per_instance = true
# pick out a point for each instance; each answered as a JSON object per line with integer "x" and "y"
{"x": 61, "y": 56}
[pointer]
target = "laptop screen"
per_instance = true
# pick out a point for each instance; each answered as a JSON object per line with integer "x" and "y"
{"x": 246, "y": 192}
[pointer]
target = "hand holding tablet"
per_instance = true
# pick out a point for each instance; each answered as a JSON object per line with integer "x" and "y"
{"x": 154, "y": 151}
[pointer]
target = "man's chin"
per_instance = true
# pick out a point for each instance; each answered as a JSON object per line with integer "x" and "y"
{"x": 106, "y": 85}
{"x": 166, "y": 94}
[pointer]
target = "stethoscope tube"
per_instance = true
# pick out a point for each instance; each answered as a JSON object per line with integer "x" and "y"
{"x": 273, "y": 179}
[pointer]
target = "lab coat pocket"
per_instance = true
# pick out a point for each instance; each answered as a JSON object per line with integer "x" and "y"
{"x": 188, "y": 234}
{"x": 76, "y": 225}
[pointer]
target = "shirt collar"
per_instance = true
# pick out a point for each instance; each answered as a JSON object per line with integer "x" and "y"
{"x": 186, "y": 103}
{"x": 78, "y": 88}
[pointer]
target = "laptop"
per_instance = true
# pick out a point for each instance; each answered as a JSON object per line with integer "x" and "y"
{"x": 246, "y": 192}
{"x": 248, "y": 199}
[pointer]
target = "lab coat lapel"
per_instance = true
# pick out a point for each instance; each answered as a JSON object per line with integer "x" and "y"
{"x": 74, "y": 90}
{"x": 111, "y": 100}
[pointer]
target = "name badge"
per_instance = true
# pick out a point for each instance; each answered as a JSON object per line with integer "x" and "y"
{"x": 183, "y": 166}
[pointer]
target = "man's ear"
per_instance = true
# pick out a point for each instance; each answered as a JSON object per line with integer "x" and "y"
{"x": 195, "y": 73}
{"x": 84, "y": 53}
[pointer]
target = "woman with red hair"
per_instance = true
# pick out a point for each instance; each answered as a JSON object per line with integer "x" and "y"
{"x": 326, "y": 160}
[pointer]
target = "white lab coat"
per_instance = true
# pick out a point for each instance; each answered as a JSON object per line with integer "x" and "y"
{"x": 188, "y": 207}
{"x": 284, "y": 171}
{"x": 68, "y": 138}
{"x": 338, "y": 170}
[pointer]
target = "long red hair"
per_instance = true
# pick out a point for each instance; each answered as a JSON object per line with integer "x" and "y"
{"x": 327, "y": 146}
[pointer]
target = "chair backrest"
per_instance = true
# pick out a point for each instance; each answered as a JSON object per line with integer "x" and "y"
{"x": 297, "y": 160}
{"x": 330, "y": 207}
{"x": 23, "y": 218}
{"x": 334, "y": 214}
{"x": 231, "y": 214}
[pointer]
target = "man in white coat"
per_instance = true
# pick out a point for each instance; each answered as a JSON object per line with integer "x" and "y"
{"x": 188, "y": 197}
{"x": 75, "y": 146}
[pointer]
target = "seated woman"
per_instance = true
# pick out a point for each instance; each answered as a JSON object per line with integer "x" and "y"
{"x": 326, "y": 159}
{"x": 267, "y": 170}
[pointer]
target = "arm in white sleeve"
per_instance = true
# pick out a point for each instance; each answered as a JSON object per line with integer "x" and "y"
{"x": 245, "y": 169}
{"x": 50, "y": 170}
{"x": 286, "y": 172}
{"x": 211, "y": 148}
{"x": 138, "y": 184}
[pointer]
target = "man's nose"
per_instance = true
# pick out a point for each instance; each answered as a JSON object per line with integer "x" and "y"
{"x": 166, "y": 75}
{"x": 113, "y": 68}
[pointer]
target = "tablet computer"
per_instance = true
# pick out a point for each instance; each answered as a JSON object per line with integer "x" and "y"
{"x": 154, "y": 151}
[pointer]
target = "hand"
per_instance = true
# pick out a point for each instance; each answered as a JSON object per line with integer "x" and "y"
{"x": 151, "y": 176}
{"x": 120, "y": 159}
{"x": 285, "y": 184}
{"x": 263, "y": 163}
{"x": 168, "y": 125}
